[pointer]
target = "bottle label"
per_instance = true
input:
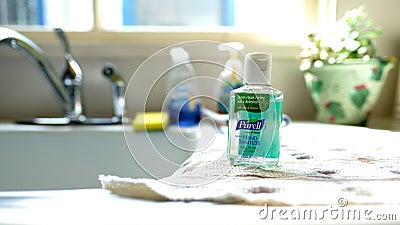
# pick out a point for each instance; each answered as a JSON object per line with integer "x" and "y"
{"x": 182, "y": 109}
{"x": 250, "y": 125}
{"x": 251, "y": 102}
{"x": 256, "y": 131}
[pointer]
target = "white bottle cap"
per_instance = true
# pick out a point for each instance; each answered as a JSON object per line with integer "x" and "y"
{"x": 257, "y": 68}
{"x": 179, "y": 55}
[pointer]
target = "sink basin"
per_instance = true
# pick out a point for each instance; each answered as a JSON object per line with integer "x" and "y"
{"x": 67, "y": 157}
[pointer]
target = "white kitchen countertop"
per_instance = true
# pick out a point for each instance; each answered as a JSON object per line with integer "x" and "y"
{"x": 97, "y": 206}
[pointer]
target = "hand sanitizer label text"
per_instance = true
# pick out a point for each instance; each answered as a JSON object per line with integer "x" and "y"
{"x": 251, "y": 102}
{"x": 248, "y": 140}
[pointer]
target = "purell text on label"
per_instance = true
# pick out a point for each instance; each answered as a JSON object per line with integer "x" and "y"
{"x": 247, "y": 125}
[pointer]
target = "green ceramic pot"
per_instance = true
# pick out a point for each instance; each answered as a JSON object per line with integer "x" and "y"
{"x": 346, "y": 93}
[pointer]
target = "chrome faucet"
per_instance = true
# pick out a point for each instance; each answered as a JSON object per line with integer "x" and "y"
{"x": 118, "y": 90}
{"x": 71, "y": 105}
{"x": 67, "y": 88}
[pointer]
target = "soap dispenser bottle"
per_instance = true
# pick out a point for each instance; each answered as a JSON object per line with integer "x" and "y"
{"x": 183, "y": 106}
{"x": 255, "y": 115}
{"x": 231, "y": 77}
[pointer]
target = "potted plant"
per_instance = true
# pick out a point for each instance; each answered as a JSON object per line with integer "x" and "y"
{"x": 342, "y": 71}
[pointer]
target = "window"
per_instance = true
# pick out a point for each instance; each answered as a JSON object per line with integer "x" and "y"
{"x": 284, "y": 17}
{"x": 20, "y": 12}
{"x": 70, "y": 14}
{"x": 277, "y": 21}
{"x": 171, "y": 12}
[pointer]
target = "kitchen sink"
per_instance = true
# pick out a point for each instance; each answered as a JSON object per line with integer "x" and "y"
{"x": 36, "y": 157}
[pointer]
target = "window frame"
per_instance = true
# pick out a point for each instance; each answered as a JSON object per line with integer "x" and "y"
{"x": 140, "y": 42}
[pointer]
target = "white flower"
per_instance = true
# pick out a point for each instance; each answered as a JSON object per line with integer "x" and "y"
{"x": 351, "y": 44}
{"x": 350, "y": 37}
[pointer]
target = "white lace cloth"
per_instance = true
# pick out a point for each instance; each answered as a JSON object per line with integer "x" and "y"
{"x": 319, "y": 165}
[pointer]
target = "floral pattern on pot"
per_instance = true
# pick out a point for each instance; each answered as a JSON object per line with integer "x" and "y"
{"x": 346, "y": 93}
{"x": 359, "y": 95}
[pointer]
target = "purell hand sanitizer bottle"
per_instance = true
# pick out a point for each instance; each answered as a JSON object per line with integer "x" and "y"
{"x": 255, "y": 115}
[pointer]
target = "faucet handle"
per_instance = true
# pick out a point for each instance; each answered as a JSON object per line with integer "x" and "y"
{"x": 63, "y": 40}
{"x": 118, "y": 90}
{"x": 72, "y": 78}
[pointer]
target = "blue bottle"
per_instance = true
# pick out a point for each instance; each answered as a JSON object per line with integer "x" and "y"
{"x": 183, "y": 106}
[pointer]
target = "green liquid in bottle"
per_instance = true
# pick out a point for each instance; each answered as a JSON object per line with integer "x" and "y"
{"x": 254, "y": 126}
